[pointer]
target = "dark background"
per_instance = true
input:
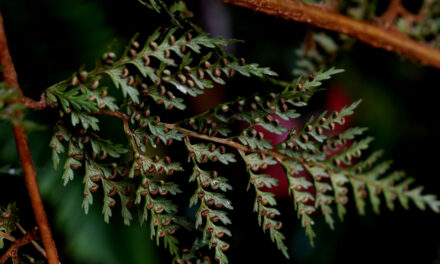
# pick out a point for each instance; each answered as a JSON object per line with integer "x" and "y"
{"x": 50, "y": 39}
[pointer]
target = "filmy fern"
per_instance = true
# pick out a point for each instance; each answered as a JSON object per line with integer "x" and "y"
{"x": 321, "y": 166}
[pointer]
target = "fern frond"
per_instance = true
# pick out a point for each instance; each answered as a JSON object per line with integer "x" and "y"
{"x": 321, "y": 166}
{"x": 265, "y": 201}
{"x": 212, "y": 232}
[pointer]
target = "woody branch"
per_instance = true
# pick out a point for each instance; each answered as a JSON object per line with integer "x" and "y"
{"x": 10, "y": 77}
{"x": 373, "y": 35}
{"x": 12, "y": 252}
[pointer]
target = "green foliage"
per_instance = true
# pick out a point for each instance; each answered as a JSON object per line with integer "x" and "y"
{"x": 154, "y": 77}
{"x": 140, "y": 172}
{"x": 212, "y": 231}
{"x": 265, "y": 200}
{"x": 145, "y": 75}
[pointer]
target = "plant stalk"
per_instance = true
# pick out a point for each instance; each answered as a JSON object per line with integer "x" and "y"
{"x": 373, "y": 35}
{"x": 10, "y": 77}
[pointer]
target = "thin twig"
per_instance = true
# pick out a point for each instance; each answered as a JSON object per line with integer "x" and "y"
{"x": 394, "y": 10}
{"x": 190, "y": 133}
{"x": 280, "y": 157}
{"x": 32, "y": 104}
{"x": 13, "y": 250}
{"x": 390, "y": 15}
{"x": 21, "y": 140}
{"x": 124, "y": 117}
{"x": 7, "y": 236}
{"x": 34, "y": 243}
{"x": 223, "y": 141}
{"x": 228, "y": 142}
{"x": 365, "y": 32}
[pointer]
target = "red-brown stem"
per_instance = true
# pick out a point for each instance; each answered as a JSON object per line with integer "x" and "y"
{"x": 396, "y": 9}
{"x": 389, "y": 17}
{"x": 34, "y": 243}
{"x": 242, "y": 148}
{"x": 365, "y": 32}
{"x": 32, "y": 104}
{"x": 13, "y": 250}
{"x": 125, "y": 118}
{"x": 117, "y": 114}
{"x": 21, "y": 140}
